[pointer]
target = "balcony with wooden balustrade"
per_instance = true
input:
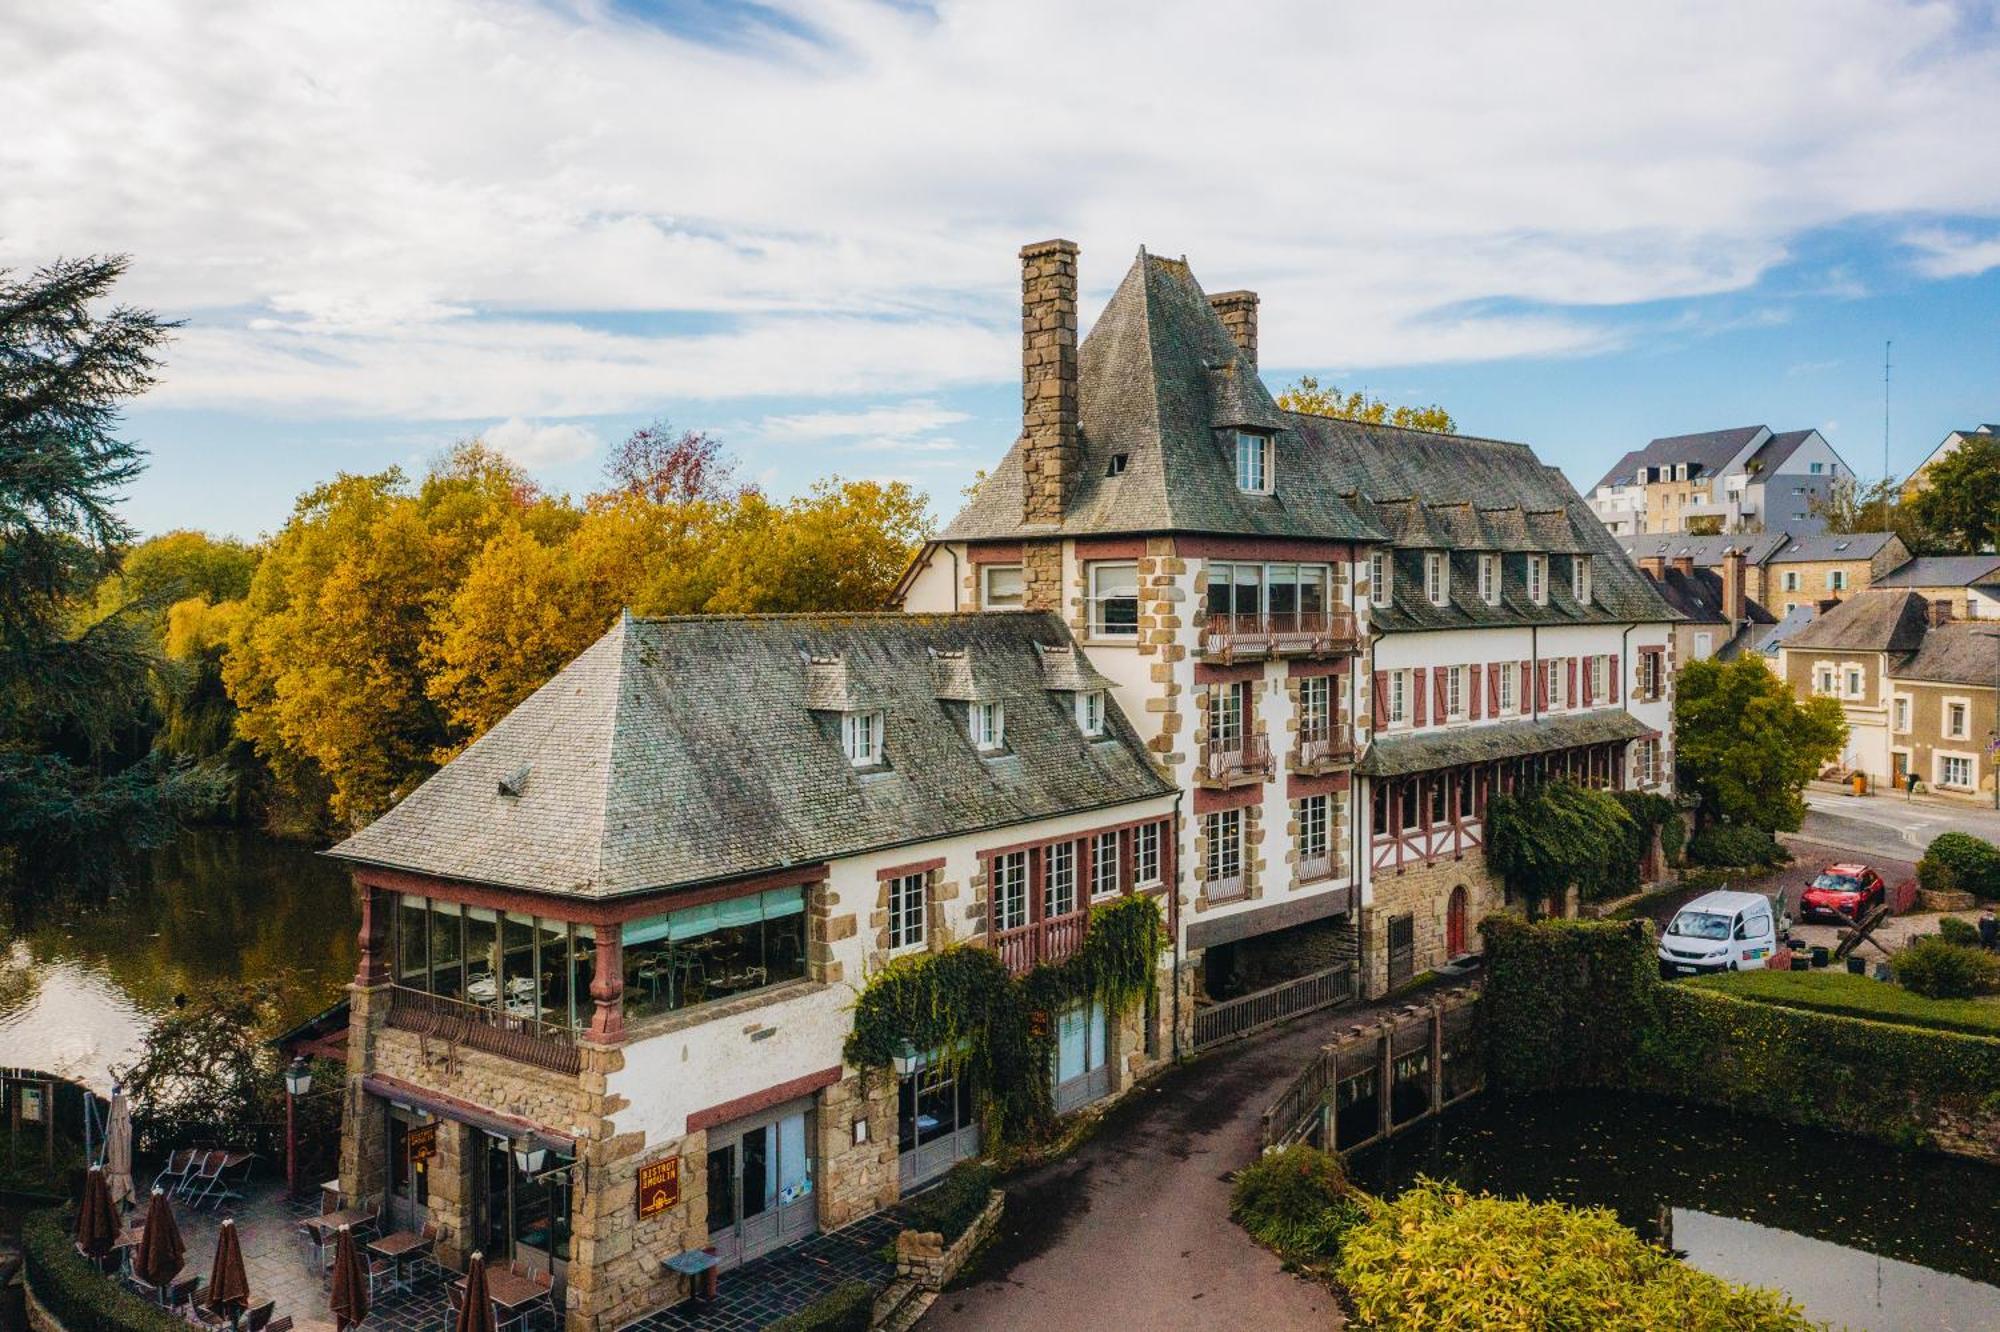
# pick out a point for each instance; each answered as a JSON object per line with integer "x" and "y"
{"x": 1323, "y": 749}
{"x": 1042, "y": 942}
{"x": 515, "y": 1036}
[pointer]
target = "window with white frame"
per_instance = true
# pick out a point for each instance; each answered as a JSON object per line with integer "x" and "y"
{"x": 1823, "y": 680}
{"x": 861, "y": 738}
{"x": 1010, "y": 891}
{"x": 1253, "y": 463}
{"x": 988, "y": 724}
{"x": 1314, "y": 818}
{"x": 1553, "y": 671}
{"x": 1579, "y": 578}
{"x": 1114, "y": 600}
{"x": 1817, "y": 468}
{"x": 1002, "y": 587}
{"x": 1853, "y": 682}
{"x": 1399, "y": 697}
{"x": 1315, "y": 705}
{"x": 1380, "y": 571}
{"x": 1704, "y": 645}
{"x": 1146, "y": 854}
{"x": 1090, "y": 712}
{"x": 1900, "y": 713}
{"x": 1103, "y": 865}
{"x": 1454, "y": 693}
{"x": 1228, "y": 705}
{"x": 1957, "y": 718}
{"x": 906, "y": 910}
{"x": 1836, "y": 580}
{"x": 1059, "y": 879}
{"x": 1791, "y": 580}
{"x": 1652, "y": 675}
{"x": 1489, "y": 579}
{"x": 1436, "y": 586}
{"x": 1504, "y": 675}
{"x": 1599, "y": 664}
{"x": 1538, "y": 579}
{"x": 1649, "y": 762}
{"x": 1288, "y": 596}
{"x": 1222, "y": 869}
{"x": 1955, "y": 770}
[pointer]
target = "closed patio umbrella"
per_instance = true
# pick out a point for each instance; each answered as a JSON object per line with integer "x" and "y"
{"x": 96, "y": 1219}
{"x": 118, "y": 1149}
{"x": 350, "y": 1283}
{"x": 228, "y": 1284}
{"x": 162, "y": 1251}
{"x": 476, "y": 1314}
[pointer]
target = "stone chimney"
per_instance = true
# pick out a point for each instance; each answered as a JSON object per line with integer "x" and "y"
{"x": 1653, "y": 566}
{"x": 1684, "y": 565}
{"x": 1051, "y": 449}
{"x": 1733, "y": 608}
{"x": 1239, "y": 315}
{"x": 1940, "y": 613}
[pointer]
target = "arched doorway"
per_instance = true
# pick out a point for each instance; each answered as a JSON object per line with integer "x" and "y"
{"x": 1454, "y": 924}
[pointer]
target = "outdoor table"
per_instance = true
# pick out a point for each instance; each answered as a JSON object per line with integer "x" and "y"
{"x": 699, "y": 1267}
{"x": 399, "y": 1248}
{"x": 509, "y": 1292}
{"x": 323, "y": 1228}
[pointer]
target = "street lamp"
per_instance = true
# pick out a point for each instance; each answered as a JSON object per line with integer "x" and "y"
{"x": 298, "y": 1081}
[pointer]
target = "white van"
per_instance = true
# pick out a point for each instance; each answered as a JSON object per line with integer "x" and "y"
{"x": 1722, "y": 931}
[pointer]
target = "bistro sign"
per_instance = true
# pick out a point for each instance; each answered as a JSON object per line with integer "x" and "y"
{"x": 422, "y": 1143}
{"x": 659, "y": 1186}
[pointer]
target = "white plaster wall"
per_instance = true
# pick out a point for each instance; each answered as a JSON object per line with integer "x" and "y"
{"x": 932, "y": 589}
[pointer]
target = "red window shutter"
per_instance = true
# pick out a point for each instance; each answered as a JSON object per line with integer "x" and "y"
{"x": 1569, "y": 694}
{"x": 1474, "y": 703}
{"x": 1420, "y": 678}
{"x": 1381, "y": 699}
{"x": 1493, "y": 686}
{"x": 1611, "y": 677}
{"x": 1589, "y": 666}
{"x": 1441, "y": 695}
{"x": 1541, "y": 687}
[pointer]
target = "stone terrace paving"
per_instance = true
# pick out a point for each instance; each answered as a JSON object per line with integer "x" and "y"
{"x": 752, "y": 1296}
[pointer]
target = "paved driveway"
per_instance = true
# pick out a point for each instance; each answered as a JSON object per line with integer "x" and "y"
{"x": 1133, "y": 1229}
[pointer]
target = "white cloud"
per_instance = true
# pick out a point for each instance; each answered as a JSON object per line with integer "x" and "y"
{"x": 915, "y": 417}
{"x": 534, "y": 445}
{"x": 417, "y": 201}
{"x": 1945, "y": 253}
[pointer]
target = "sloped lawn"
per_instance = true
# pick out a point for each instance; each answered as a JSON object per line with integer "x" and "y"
{"x": 1830, "y": 991}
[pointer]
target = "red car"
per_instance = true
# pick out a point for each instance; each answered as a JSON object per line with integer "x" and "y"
{"x": 1843, "y": 893}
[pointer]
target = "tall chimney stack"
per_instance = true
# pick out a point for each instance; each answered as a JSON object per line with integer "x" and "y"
{"x": 1734, "y": 609}
{"x": 1051, "y": 449}
{"x": 1653, "y": 565}
{"x": 1238, "y": 310}
{"x": 1682, "y": 565}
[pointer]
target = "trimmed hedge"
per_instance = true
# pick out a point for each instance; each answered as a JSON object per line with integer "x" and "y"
{"x": 845, "y": 1308}
{"x": 951, "y": 1206}
{"x": 1955, "y": 931}
{"x": 1565, "y": 1000}
{"x": 1736, "y": 845}
{"x": 1938, "y": 969}
{"x": 81, "y": 1299}
{"x": 1960, "y": 862}
{"x": 1857, "y": 997}
{"x": 1440, "y": 1259}
{"x": 1296, "y": 1203}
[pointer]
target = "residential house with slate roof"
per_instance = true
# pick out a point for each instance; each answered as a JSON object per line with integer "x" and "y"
{"x": 1969, "y": 584}
{"x": 1782, "y": 570}
{"x": 623, "y": 929}
{"x": 1919, "y": 478}
{"x": 1743, "y": 480}
{"x": 1338, "y": 639}
{"x": 1718, "y": 618}
{"x": 1918, "y": 687}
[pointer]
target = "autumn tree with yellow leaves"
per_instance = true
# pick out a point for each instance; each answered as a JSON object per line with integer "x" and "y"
{"x": 1308, "y": 397}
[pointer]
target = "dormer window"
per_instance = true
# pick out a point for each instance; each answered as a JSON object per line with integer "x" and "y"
{"x": 1116, "y": 467}
{"x": 988, "y": 725}
{"x": 1253, "y": 463}
{"x": 1489, "y": 579}
{"x": 1538, "y": 579}
{"x": 1437, "y": 586}
{"x": 1090, "y": 713}
{"x": 861, "y": 738}
{"x": 1379, "y": 571}
{"x": 1579, "y": 578}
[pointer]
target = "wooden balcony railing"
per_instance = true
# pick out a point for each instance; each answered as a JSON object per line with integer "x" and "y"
{"x": 1236, "y": 760}
{"x": 1054, "y": 939}
{"x": 1325, "y": 747}
{"x": 521, "y": 1038}
{"x": 1283, "y": 633}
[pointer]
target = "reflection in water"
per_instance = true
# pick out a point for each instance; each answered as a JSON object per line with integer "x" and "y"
{"x": 78, "y": 978}
{"x": 1821, "y": 1207}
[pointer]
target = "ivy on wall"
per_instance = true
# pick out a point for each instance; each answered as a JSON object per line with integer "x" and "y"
{"x": 1546, "y": 836}
{"x": 1565, "y": 1001}
{"x": 960, "y": 1006}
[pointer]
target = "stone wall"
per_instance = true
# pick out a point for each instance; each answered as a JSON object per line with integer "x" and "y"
{"x": 1424, "y": 892}
{"x": 1050, "y": 445}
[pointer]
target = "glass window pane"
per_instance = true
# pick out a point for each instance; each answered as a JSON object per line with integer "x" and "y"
{"x": 412, "y": 943}
{"x": 520, "y": 982}
{"x": 447, "y": 950}
{"x": 582, "y": 970}
{"x": 552, "y": 974}
{"x": 482, "y": 957}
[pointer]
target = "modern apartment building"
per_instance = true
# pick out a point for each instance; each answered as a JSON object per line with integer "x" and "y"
{"x": 1719, "y": 482}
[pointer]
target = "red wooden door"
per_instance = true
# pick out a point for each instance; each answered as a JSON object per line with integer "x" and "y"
{"x": 1454, "y": 923}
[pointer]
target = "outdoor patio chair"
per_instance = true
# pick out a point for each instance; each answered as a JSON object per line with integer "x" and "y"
{"x": 201, "y": 1173}
{"x": 280, "y": 1324}
{"x": 222, "y": 1184}
{"x": 182, "y": 1292}
{"x": 176, "y": 1166}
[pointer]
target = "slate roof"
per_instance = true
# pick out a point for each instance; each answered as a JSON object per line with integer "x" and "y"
{"x": 1877, "y": 620}
{"x": 685, "y": 750}
{"x": 1712, "y": 449}
{"x": 1423, "y": 751}
{"x": 1963, "y": 652}
{"x": 1829, "y": 547}
{"x": 1159, "y": 371}
{"x": 1944, "y": 571}
{"x": 1698, "y": 597}
{"x": 1778, "y": 448}
{"x": 1793, "y": 620}
{"x": 1757, "y": 548}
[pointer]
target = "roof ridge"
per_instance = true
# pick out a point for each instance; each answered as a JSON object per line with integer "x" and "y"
{"x": 829, "y": 616}
{"x": 1452, "y": 435}
{"x": 601, "y": 798}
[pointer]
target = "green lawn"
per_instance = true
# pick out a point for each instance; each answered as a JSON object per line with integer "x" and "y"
{"x": 1858, "y": 996}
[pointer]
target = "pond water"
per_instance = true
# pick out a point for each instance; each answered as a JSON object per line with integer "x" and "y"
{"x": 1861, "y": 1234}
{"x": 80, "y": 975}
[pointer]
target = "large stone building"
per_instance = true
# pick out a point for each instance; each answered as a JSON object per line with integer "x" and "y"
{"x": 1338, "y": 639}
{"x": 1744, "y": 480}
{"x": 625, "y": 927}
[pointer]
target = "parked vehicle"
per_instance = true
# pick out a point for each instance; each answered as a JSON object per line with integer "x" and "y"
{"x": 1722, "y": 931}
{"x": 1843, "y": 893}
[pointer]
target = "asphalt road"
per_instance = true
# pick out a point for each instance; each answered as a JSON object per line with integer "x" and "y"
{"x": 1888, "y": 826}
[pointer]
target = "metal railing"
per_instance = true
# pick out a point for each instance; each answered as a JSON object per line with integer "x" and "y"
{"x": 1226, "y": 633}
{"x": 1317, "y": 867}
{"x": 1053, "y": 939}
{"x": 1237, "y": 758}
{"x": 1321, "y": 746}
{"x": 524, "y": 1039}
{"x": 1263, "y": 1008}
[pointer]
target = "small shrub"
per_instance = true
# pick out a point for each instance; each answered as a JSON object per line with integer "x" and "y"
{"x": 845, "y": 1308}
{"x": 1960, "y": 862}
{"x": 1296, "y": 1203}
{"x": 1736, "y": 845}
{"x": 954, "y": 1203}
{"x": 1439, "y": 1258}
{"x": 1936, "y": 969}
{"x": 82, "y": 1300}
{"x": 1955, "y": 931}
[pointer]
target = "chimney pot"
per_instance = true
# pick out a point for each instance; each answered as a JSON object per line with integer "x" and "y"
{"x": 1238, "y": 312}
{"x": 1051, "y": 440}
{"x": 1655, "y": 566}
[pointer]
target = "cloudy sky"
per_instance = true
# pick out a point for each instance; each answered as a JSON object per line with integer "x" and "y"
{"x": 391, "y": 225}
